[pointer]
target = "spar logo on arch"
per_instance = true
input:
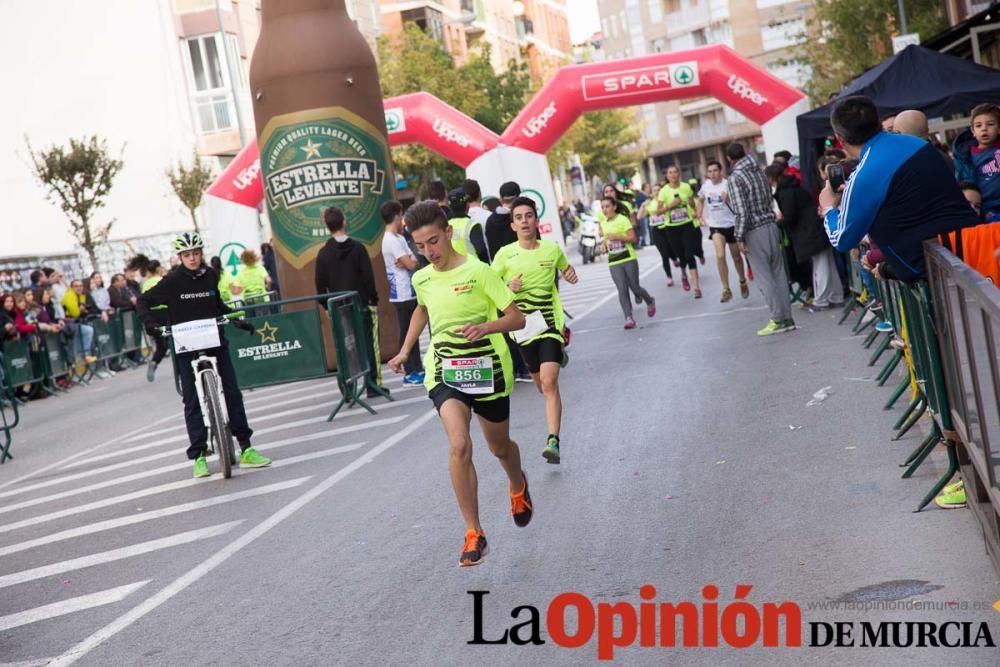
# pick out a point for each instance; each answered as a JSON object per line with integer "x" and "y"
{"x": 640, "y": 81}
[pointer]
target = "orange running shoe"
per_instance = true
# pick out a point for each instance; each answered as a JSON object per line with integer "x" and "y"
{"x": 474, "y": 550}
{"x": 521, "y": 506}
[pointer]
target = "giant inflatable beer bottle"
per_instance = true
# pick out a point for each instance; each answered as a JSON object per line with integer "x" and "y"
{"x": 321, "y": 131}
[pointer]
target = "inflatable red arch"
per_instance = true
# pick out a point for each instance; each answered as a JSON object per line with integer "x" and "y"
{"x": 421, "y": 118}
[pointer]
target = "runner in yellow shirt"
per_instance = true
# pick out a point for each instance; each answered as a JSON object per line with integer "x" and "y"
{"x": 529, "y": 268}
{"x": 468, "y": 366}
{"x": 620, "y": 233}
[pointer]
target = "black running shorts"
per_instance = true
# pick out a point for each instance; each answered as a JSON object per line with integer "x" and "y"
{"x": 496, "y": 410}
{"x": 728, "y": 233}
{"x": 537, "y": 352}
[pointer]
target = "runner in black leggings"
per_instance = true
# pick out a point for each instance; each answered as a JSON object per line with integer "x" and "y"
{"x": 658, "y": 233}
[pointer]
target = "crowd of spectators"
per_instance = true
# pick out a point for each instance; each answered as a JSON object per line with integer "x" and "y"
{"x": 43, "y": 301}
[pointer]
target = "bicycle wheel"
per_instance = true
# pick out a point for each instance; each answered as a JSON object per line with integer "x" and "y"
{"x": 221, "y": 437}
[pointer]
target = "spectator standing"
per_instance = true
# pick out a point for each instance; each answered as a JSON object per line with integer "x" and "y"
{"x": 227, "y": 288}
{"x": 439, "y": 193}
{"x": 498, "y": 229}
{"x": 477, "y": 212}
{"x": 252, "y": 277}
{"x": 8, "y": 318}
{"x": 343, "y": 265}
{"x": 801, "y": 220}
{"x": 36, "y": 300}
{"x": 119, "y": 295}
{"x": 99, "y": 293}
{"x": 758, "y": 236}
{"x": 38, "y": 279}
{"x": 467, "y": 234}
{"x": 400, "y": 263}
{"x": 56, "y": 282}
{"x": 74, "y": 303}
{"x": 901, "y": 192}
{"x": 977, "y": 157}
{"x": 270, "y": 262}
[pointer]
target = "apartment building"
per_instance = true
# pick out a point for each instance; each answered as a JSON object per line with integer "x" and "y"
{"x": 691, "y": 132}
{"x": 531, "y": 31}
{"x": 158, "y": 77}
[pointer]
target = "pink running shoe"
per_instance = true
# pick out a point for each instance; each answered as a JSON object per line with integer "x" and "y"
{"x": 651, "y": 308}
{"x": 629, "y": 323}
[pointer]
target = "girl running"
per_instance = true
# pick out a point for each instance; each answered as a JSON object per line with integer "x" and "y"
{"x": 658, "y": 233}
{"x": 677, "y": 204}
{"x": 620, "y": 233}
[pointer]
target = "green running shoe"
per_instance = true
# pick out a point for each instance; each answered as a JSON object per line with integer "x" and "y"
{"x": 551, "y": 451}
{"x": 951, "y": 501}
{"x": 201, "y": 468}
{"x": 952, "y": 488}
{"x": 771, "y": 328}
{"x": 251, "y": 459}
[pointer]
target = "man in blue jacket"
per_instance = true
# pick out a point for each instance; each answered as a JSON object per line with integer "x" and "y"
{"x": 901, "y": 193}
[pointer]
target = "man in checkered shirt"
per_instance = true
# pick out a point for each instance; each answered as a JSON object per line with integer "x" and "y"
{"x": 758, "y": 236}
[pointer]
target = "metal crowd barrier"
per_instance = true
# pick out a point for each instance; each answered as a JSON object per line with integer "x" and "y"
{"x": 8, "y": 403}
{"x": 967, "y": 322}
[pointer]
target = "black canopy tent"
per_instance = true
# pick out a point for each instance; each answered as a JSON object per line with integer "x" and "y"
{"x": 915, "y": 78}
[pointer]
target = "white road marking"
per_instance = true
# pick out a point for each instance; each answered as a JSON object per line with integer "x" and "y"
{"x": 178, "y": 466}
{"x": 209, "y": 564}
{"x": 324, "y": 409}
{"x": 72, "y": 564}
{"x": 133, "y": 519}
{"x": 163, "y": 488}
{"x": 69, "y": 606}
{"x": 85, "y": 452}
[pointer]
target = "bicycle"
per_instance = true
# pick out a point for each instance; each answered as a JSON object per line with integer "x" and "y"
{"x": 197, "y": 336}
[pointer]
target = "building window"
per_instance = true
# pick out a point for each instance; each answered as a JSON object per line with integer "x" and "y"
{"x": 655, "y": 11}
{"x": 659, "y": 45}
{"x": 210, "y": 85}
{"x": 781, "y": 34}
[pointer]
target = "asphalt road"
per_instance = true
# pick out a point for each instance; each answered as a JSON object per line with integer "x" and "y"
{"x": 689, "y": 458}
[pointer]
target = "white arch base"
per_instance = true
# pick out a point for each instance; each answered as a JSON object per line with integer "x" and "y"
{"x": 529, "y": 170}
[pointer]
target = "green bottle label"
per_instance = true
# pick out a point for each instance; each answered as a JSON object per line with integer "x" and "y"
{"x": 318, "y": 158}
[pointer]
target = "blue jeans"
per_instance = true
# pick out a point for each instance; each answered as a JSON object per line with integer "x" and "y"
{"x": 643, "y": 231}
{"x": 85, "y": 338}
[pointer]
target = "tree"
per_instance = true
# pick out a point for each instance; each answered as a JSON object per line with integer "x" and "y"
{"x": 607, "y": 142}
{"x": 79, "y": 179}
{"x": 190, "y": 183}
{"x": 846, "y": 37}
{"x": 414, "y": 61}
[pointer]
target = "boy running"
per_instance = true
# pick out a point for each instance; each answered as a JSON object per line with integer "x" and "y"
{"x": 529, "y": 268}
{"x": 468, "y": 364}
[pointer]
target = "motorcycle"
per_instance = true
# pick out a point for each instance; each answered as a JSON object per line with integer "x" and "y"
{"x": 590, "y": 232}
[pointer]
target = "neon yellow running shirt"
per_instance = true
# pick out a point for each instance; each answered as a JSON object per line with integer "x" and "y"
{"x": 681, "y": 215}
{"x": 618, "y": 251}
{"x": 537, "y": 268}
{"x": 471, "y": 293}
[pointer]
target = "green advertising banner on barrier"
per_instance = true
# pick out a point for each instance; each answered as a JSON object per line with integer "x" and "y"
{"x": 19, "y": 368}
{"x": 287, "y": 347}
{"x": 57, "y": 362}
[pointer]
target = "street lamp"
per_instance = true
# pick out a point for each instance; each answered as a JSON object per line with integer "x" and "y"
{"x": 518, "y": 8}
